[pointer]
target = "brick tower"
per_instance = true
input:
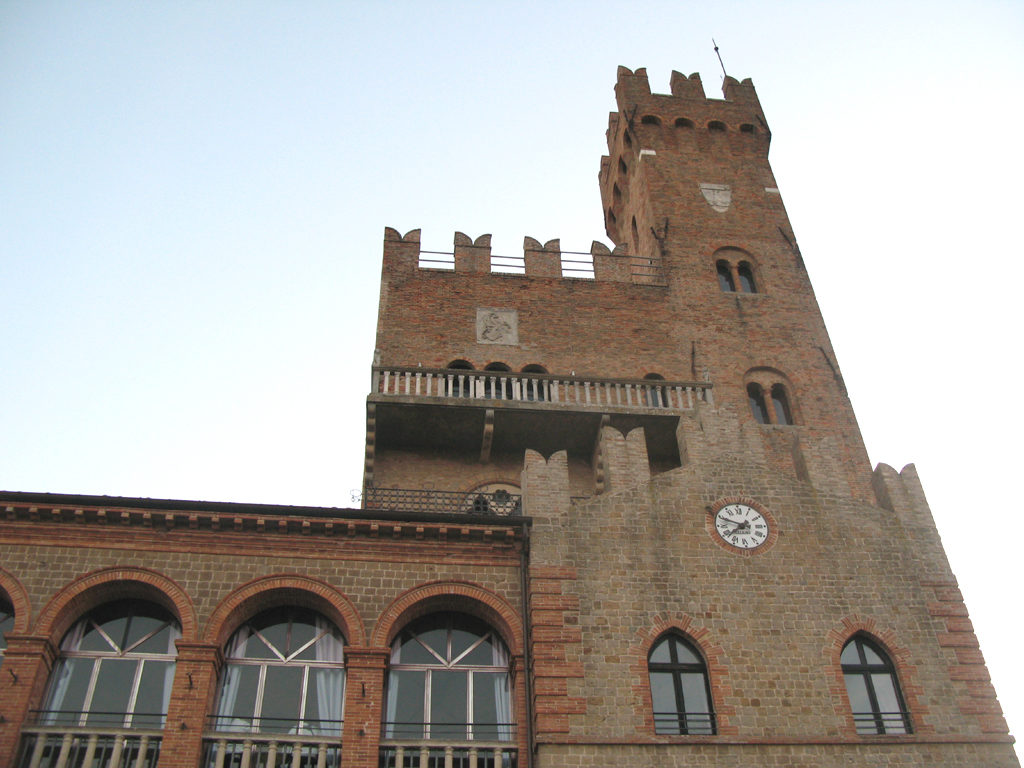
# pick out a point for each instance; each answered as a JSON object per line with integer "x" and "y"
{"x": 701, "y": 503}
{"x": 616, "y": 511}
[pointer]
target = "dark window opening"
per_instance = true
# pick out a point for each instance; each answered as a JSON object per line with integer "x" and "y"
{"x": 650, "y": 120}
{"x": 746, "y": 275}
{"x": 780, "y": 402}
{"x": 459, "y": 384}
{"x": 6, "y": 625}
{"x": 725, "y": 277}
{"x": 748, "y": 128}
{"x": 872, "y": 689}
{"x": 716, "y": 125}
{"x": 497, "y": 387}
{"x": 535, "y": 389}
{"x": 680, "y": 691}
{"x": 757, "y": 407}
{"x": 682, "y": 122}
{"x": 622, "y": 166}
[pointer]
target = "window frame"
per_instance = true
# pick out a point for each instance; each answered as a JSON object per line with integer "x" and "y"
{"x": 875, "y": 721}
{"x": 679, "y": 719}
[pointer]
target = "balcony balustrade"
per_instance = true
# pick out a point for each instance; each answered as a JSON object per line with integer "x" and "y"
{"x": 539, "y": 388}
{"x": 48, "y": 745}
{"x": 267, "y": 742}
{"x": 448, "y": 745}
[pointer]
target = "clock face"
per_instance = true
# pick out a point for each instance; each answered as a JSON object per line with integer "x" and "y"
{"x": 741, "y": 525}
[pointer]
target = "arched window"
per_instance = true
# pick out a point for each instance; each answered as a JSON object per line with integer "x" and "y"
{"x": 6, "y": 625}
{"x": 680, "y": 692}
{"x": 284, "y": 673}
{"x": 725, "y": 277}
{"x": 115, "y": 668}
{"x": 755, "y": 395}
{"x": 496, "y": 386}
{"x": 780, "y": 404}
{"x": 746, "y": 275}
{"x": 459, "y": 384}
{"x": 535, "y": 389}
{"x": 448, "y": 680}
{"x": 873, "y": 689}
{"x": 654, "y": 395}
{"x": 682, "y": 122}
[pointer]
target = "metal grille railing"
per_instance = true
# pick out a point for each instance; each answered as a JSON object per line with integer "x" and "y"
{"x": 685, "y": 723}
{"x": 881, "y": 723}
{"x": 500, "y": 503}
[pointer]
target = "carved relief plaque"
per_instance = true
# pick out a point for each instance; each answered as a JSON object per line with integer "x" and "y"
{"x": 719, "y": 196}
{"x": 497, "y": 326}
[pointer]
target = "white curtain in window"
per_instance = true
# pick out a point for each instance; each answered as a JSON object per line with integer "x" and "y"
{"x": 331, "y": 683}
{"x": 502, "y": 697}
{"x": 232, "y": 678}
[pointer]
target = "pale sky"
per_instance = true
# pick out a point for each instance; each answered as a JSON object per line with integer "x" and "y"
{"x": 193, "y": 197}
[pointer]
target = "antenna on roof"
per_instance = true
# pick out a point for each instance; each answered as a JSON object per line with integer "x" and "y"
{"x": 722, "y": 65}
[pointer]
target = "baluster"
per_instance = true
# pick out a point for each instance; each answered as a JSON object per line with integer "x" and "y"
{"x": 430, "y": 380}
{"x": 448, "y": 755}
{"x": 408, "y": 382}
{"x": 618, "y": 394}
{"x": 246, "y": 753}
{"x": 321, "y": 755}
{"x": 37, "y": 751}
{"x": 629, "y": 394}
{"x": 140, "y": 759}
{"x": 65, "y": 747}
{"x": 399, "y": 757}
{"x": 424, "y": 757}
{"x": 297, "y": 747}
{"x": 272, "y": 755}
{"x": 387, "y": 382}
{"x": 472, "y": 758}
{"x": 90, "y": 751}
{"x": 115, "y": 753}
{"x": 553, "y": 390}
{"x": 222, "y": 746}
{"x": 497, "y": 757}
{"x": 419, "y": 378}
{"x": 586, "y": 390}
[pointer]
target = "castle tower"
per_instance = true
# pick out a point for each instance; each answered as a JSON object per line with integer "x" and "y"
{"x": 712, "y": 561}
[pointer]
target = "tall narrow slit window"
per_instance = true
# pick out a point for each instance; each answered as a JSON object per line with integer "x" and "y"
{"x": 284, "y": 674}
{"x": 746, "y": 275}
{"x": 873, "y": 689}
{"x": 725, "y": 277}
{"x": 755, "y": 395}
{"x": 780, "y": 403}
{"x": 115, "y": 669}
{"x": 449, "y": 680}
{"x": 680, "y": 692}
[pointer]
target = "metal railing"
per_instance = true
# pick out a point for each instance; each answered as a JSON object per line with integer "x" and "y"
{"x": 685, "y": 723}
{"x": 500, "y": 503}
{"x": 577, "y": 392}
{"x": 882, "y": 723}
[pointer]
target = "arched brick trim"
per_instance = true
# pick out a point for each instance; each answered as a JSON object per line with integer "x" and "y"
{"x": 12, "y": 591}
{"x": 284, "y": 589}
{"x": 714, "y": 657}
{"x": 906, "y": 673}
{"x": 464, "y": 597}
{"x": 109, "y": 584}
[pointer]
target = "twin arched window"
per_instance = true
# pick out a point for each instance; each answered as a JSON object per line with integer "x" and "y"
{"x": 680, "y": 692}
{"x": 735, "y": 277}
{"x": 872, "y": 688}
{"x": 449, "y": 679}
{"x": 769, "y": 406}
{"x": 115, "y": 668}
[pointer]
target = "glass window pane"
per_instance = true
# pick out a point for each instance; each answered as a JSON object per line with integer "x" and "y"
{"x": 68, "y": 686}
{"x": 161, "y": 642}
{"x": 93, "y": 639}
{"x": 685, "y": 654}
{"x": 154, "y": 693}
{"x": 490, "y": 705}
{"x": 412, "y": 652}
{"x": 282, "y": 698}
{"x": 724, "y": 277}
{"x": 112, "y": 692}
{"x": 871, "y": 656}
{"x": 885, "y": 692}
{"x": 303, "y": 630}
{"x": 238, "y": 695}
{"x": 695, "y": 702}
{"x": 405, "y": 704}
{"x": 276, "y": 636}
{"x": 746, "y": 279}
{"x": 138, "y": 627}
{"x": 663, "y": 692}
{"x": 6, "y": 624}
{"x": 255, "y": 648}
{"x": 660, "y": 654}
{"x": 850, "y": 655}
{"x": 325, "y": 692}
{"x": 448, "y": 713}
{"x": 857, "y": 690}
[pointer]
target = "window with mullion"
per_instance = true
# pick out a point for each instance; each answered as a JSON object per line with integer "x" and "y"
{"x": 873, "y": 689}
{"x": 680, "y": 690}
{"x": 448, "y": 680}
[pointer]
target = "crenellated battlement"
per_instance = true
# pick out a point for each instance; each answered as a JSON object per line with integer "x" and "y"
{"x": 404, "y": 254}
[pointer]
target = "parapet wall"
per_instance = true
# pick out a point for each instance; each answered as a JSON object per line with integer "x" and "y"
{"x": 403, "y": 254}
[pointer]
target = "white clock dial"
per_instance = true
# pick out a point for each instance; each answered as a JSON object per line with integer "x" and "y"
{"x": 741, "y": 526}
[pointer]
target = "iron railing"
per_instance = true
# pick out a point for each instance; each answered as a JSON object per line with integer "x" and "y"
{"x": 685, "y": 723}
{"x": 500, "y": 502}
{"x": 882, "y": 723}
